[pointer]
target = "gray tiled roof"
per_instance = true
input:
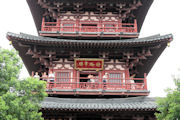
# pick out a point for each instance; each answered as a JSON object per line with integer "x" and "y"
{"x": 112, "y": 43}
{"x": 134, "y": 103}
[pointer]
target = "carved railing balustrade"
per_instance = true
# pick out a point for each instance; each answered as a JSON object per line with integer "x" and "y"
{"x": 90, "y": 28}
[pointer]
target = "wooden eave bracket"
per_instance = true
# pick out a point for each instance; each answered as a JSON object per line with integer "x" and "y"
{"x": 22, "y": 45}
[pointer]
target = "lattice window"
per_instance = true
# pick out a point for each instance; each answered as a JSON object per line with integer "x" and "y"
{"x": 62, "y": 77}
{"x": 115, "y": 78}
{"x": 109, "y": 25}
{"x": 68, "y": 25}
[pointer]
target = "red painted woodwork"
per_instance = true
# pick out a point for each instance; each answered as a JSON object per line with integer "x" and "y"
{"x": 125, "y": 84}
{"x": 90, "y": 28}
{"x": 117, "y": 82}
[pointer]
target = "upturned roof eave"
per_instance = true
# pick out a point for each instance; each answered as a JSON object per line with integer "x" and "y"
{"x": 30, "y": 39}
{"x": 18, "y": 40}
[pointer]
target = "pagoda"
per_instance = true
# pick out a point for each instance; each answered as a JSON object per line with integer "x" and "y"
{"x": 98, "y": 61}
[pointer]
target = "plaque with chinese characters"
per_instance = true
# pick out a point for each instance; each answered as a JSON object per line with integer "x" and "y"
{"x": 88, "y": 64}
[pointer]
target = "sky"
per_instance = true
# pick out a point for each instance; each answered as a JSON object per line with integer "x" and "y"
{"x": 163, "y": 18}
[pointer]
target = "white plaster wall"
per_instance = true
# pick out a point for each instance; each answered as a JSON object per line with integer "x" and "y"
{"x": 118, "y": 65}
{"x": 59, "y": 64}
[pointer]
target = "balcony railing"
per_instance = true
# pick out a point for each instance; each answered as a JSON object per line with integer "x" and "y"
{"x": 111, "y": 84}
{"x": 89, "y": 28}
{"x": 96, "y": 85}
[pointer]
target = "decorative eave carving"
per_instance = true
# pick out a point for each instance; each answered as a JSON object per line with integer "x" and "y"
{"x": 122, "y": 10}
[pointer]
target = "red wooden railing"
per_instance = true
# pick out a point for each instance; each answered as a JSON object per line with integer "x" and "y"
{"x": 95, "y": 27}
{"x": 126, "y": 84}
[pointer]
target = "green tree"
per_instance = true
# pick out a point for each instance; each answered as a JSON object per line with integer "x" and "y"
{"x": 169, "y": 107}
{"x": 19, "y": 99}
{"x": 10, "y": 66}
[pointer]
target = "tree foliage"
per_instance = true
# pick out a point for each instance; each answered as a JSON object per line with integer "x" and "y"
{"x": 10, "y": 66}
{"x": 19, "y": 99}
{"x": 169, "y": 107}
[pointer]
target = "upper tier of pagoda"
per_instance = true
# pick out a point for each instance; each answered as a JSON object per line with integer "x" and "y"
{"x": 89, "y": 19}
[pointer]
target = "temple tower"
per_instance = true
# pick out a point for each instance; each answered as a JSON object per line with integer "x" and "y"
{"x": 99, "y": 64}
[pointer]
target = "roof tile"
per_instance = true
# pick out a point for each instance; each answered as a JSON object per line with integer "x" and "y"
{"x": 90, "y": 43}
{"x": 136, "y": 103}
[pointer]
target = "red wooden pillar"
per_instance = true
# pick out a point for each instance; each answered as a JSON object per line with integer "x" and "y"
{"x": 79, "y": 26}
{"x": 127, "y": 78}
{"x": 100, "y": 80}
{"x": 98, "y": 26}
{"x": 145, "y": 81}
{"x": 43, "y": 24}
{"x": 55, "y": 79}
{"x": 116, "y": 26}
{"x": 58, "y": 25}
{"x": 119, "y": 25}
{"x": 135, "y": 25}
{"x": 76, "y": 27}
{"x": 99, "y": 29}
{"x": 74, "y": 79}
{"x": 77, "y": 79}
